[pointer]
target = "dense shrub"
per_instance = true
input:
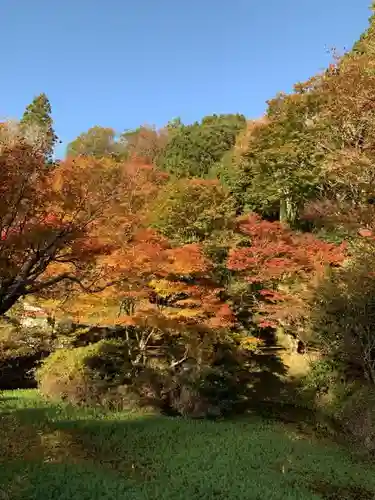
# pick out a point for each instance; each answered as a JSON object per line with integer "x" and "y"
{"x": 323, "y": 374}
{"x": 101, "y": 374}
{"x": 21, "y": 350}
{"x": 356, "y": 414}
{"x": 215, "y": 392}
{"x": 343, "y": 317}
{"x": 85, "y": 375}
{"x": 349, "y": 404}
{"x": 342, "y": 325}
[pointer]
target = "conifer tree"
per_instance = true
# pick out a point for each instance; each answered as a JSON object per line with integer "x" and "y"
{"x": 37, "y": 119}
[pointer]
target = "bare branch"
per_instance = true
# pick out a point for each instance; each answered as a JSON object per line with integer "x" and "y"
{"x": 74, "y": 279}
{"x": 180, "y": 361}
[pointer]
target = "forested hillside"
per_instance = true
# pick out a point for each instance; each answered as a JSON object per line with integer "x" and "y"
{"x": 171, "y": 264}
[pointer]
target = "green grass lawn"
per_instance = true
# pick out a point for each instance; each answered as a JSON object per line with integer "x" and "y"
{"x": 55, "y": 452}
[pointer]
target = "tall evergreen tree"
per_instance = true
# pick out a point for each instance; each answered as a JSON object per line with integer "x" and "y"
{"x": 37, "y": 117}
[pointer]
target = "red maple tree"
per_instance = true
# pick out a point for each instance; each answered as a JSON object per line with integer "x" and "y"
{"x": 281, "y": 263}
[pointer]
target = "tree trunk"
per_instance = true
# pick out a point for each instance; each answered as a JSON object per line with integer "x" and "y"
{"x": 7, "y": 303}
{"x": 288, "y": 210}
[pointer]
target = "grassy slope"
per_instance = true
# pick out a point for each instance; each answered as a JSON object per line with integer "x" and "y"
{"x": 55, "y": 453}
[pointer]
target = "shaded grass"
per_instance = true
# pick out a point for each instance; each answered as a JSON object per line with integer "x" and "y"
{"x": 56, "y": 452}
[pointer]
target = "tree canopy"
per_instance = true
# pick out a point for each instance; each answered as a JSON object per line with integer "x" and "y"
{"x": 97, "y": 141}
{"x": 194, "y": 149}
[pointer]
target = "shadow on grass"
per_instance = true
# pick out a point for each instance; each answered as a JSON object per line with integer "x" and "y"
{"x": 331, "y": 492}
{"x": 56, "y": 452}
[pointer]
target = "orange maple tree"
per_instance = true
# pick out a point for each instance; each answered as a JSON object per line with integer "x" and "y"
{"x": 165, "y": 294}
{"x": 57, "y": 223}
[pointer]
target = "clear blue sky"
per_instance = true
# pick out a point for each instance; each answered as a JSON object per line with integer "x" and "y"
{"x": 122, "y": 63}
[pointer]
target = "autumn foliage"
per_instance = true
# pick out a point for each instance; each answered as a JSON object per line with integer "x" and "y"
{"x": 77, "y": 235}
{"x": 58, "y": 224}
{"x": 282, "y": 262}
{"x": 186, "y": 246}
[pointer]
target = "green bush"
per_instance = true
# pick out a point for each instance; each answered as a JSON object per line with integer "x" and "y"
{"x": 322, "y": 375}
{"x": 356, "y": 414}
{"x": 352, "y": 407}
{"x": 101, "y": 374}
{"x": 21, "y": 350}
{"x": 208, "y": 394}
{"x": 350, "y": 404}
{"x": 89, "y": 375}
{"x": 343, "y": 315}
{"x": 342, "y": 320}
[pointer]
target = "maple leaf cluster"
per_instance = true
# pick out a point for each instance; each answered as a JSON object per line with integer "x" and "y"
{"x": 59, "y": 223}
{"x": 283, "y": 262}
{"x": 172, "y": 286}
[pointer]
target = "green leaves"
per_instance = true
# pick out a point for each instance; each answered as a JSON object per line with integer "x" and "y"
{"x": 193, "y": 210}
{"x": 193, "y": 149}
{"x": 97, "y": 141}
{"x": 279, "y": 169}
{"x": 37, "y": 120}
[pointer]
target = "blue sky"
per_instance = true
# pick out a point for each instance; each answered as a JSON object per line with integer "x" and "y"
{"x": 122, "y": 63}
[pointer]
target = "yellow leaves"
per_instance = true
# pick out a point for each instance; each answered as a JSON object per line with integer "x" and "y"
{"x": 185, "y": 313}
{"x": 56, "y": 268}
{"x": 50, "y": 305}
{"x": 251, "y": 343}
{"x": 248, "y": 342}
{"x": 164, "y": 287}
{"x": 83, "y": 308}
